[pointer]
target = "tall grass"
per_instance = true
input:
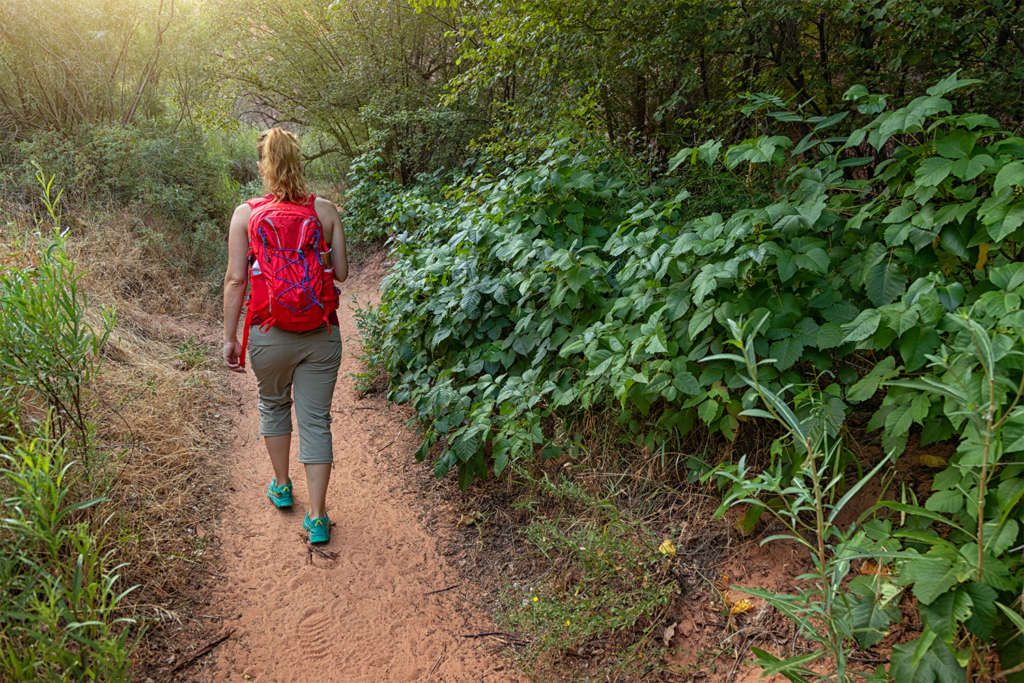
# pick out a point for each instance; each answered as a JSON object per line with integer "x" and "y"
{"x": 59, "y": 579}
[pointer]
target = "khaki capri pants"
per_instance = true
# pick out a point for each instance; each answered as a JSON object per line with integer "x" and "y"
{"x": 307, "y": 362}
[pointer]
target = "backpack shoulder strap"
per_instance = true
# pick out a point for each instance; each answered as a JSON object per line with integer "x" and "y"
{"x": 257, "y": 202}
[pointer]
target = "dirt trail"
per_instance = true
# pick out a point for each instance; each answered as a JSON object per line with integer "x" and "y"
{"x": 364, "y": 616}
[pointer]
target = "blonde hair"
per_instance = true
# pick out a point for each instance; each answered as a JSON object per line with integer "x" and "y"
{"x": 281, "y": 158}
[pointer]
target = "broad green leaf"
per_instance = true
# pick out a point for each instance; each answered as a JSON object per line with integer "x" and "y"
{"x": 866, "y": 387}
{"x": 899, "y": 420}
{"x": 679, "y": 158}
{"x": 708, "y": 410}
{"x": 442, "y": 465}
{"x": 938, "y": 664}
{"x": 870, "y": 619}
{"x": 951, "y": 83}
{"x": 831, "y": 120}
{"x": 702, "y": 317}
{"x": 932, "y": 575}
{"x": 785, "y": 262}
{"x": 577, "y": 277}
{"x": 820, "y": 259}
{"x": 948, "y": 502}
{"x": 958, "y": 144}
{"x": 864, "y": 325}
{"x": 1012, "y": 220}
{"x": 855, "y": 92}
{"x": 787, "y": 668}
{"x": 830, "y": 335}
{"x": 658, "y": 342}
{"x": 933, "y": 171}
{"x": 677, "y": 302}
{"x": 708, "y": 152}
{"x": 686, "y": 383}
{"x": 885, "y": 282}
{"x": 470, "y": 300}
{"x": 999, "y": 537}
{"x": 1011, "y": 174}
{"x": 951, "y": 296}
{"x": 904, "y": 212}
{"x": 983, "y": 609}
{"x": 573, "y": 346}
{"x": 786, "y": 352}
{"x": 969, "y": 169}
{"x": 501, "y": 454}
{"x": 439, "y": 336}
{"x": 1008, "y": 277}
{"x": 915, "y": 344}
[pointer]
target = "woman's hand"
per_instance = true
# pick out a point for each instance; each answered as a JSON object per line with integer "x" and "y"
{"x": 232, "y": 355}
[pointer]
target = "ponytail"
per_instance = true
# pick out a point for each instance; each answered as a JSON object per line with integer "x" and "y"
{"x": 281, "y": 158}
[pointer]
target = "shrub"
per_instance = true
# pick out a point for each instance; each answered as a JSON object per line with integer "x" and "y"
{"x": 883, "y": 271}
{"x": 162, "y": 170}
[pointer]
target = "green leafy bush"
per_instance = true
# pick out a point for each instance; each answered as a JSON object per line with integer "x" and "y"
{"x": 163, "y": 170}
{"x": 371, "y": 341}
{"x": 366, "y": 202}
{"x": 882, "y": 267}
{"x": 377, "y": 205}
{"x": 557, "y": 284}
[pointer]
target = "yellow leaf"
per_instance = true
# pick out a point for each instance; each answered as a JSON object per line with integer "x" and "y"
{"x": 742, "y": 606}
{"x": 929, "y": 460}
{"x": 982, "y": 255}
{"x": 667, "y": 548}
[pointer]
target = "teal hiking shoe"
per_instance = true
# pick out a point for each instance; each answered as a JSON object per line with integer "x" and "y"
{"x": 319, "y": 529}
{"x": 280, "y": 497}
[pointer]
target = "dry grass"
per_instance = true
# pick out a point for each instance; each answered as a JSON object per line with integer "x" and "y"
{"x": 154, "y": 412}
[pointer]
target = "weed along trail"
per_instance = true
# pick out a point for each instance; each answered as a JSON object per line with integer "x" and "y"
{"x": 363, "y": 608}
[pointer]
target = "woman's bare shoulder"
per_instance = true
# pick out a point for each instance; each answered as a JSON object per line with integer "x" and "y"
{"x": 327, "y": 204}
{"x": 326, "y": 209}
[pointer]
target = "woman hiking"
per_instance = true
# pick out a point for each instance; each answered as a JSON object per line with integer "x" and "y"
{"x": 290, "y": 245}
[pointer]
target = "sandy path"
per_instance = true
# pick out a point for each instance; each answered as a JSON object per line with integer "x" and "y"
{"x": 365, "y": 615}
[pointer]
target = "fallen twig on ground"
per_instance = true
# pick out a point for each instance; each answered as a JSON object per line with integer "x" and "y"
{"x": 497, "y": 634}
{"x": 202, "y": 651}
{"x": 326, "y": 554}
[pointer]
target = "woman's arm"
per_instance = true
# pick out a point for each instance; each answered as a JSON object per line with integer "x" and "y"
{"x": 334, "y": 235}
{"x": 235, "y": 281}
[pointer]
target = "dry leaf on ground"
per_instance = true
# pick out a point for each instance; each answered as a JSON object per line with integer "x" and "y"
{"x": 669, "y": 633}
{"x": 744, "y": 605}
{"x": 470, "y": 519}
{"x": 871, "y": 567}
{"x": 929, "y": 460}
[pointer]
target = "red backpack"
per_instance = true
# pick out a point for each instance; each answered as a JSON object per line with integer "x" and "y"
{"x": 291, "y": 287}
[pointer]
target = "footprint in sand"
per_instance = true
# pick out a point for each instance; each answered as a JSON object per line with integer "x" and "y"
{"x": 314, "y": 633}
